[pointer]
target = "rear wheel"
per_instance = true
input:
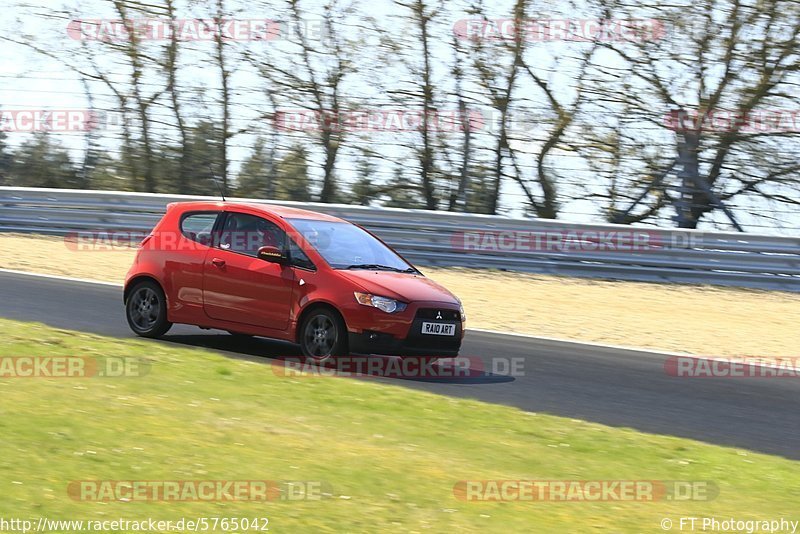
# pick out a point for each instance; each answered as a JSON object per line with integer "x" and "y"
{"x": 323, "y": 336}
{"x": 146, "y": 310}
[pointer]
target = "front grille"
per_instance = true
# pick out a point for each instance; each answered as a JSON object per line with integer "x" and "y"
{"x": 438, "y": 314}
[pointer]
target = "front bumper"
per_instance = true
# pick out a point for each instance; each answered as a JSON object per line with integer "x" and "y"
{"x": 415, "y": 343}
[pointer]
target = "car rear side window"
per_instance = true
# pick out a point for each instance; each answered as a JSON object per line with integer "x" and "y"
{"x": 198, "y": 226}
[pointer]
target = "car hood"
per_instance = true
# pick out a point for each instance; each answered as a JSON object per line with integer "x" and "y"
{"x": 400, "y": 286}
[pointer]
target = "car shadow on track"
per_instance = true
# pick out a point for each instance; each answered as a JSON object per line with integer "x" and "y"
{"x": 287, "y": 361}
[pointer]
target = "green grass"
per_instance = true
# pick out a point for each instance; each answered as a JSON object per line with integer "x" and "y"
{"x": 391, "y": 455}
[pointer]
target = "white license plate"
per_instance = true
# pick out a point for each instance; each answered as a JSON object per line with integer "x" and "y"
{"x": 439, "y": 329}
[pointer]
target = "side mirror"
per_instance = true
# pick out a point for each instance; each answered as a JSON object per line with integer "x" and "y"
{"x": 272, "y": 255}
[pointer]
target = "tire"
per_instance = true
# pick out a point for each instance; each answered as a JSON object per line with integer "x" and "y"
{"x": 323, "y": 336}
{"x": 146, "y": 310}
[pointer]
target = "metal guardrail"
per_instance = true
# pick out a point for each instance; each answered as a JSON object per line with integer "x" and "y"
{"x": 437, "y": 239}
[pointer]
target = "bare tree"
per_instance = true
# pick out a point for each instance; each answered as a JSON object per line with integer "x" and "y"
{"x": 698, "y": 93}
{"x": 222, "y": 64}
{"x": 420, "y": 64}
{"x": 171, "y": 64}
{"x": 313, "y": 79}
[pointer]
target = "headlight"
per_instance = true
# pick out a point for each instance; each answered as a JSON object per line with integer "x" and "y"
{"x": 462, "y": 312}
{"x": 382, "y": 303}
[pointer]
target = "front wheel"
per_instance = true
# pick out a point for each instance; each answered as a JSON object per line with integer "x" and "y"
{"x": 323, "y": 336}
{"x": 146, "y": 310}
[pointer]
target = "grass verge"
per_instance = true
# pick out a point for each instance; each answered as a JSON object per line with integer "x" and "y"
{"x": 391, "y": 455}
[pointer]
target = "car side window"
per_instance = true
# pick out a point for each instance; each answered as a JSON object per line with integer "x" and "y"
{"x": 298, "y": 257}
{"x": 198, "y": 226}
{"x": 245, "y": 234}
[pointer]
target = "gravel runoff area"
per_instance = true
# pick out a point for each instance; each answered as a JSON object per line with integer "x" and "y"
{"x": 705, "y": 320}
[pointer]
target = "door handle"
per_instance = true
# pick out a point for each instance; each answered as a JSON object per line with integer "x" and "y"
{"x": 218, "y": 262}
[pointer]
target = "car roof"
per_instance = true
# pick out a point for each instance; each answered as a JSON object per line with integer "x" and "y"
{"x": 284, "y": 212}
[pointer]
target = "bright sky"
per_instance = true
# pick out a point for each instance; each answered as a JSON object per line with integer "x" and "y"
{"x": 30, "y": 81}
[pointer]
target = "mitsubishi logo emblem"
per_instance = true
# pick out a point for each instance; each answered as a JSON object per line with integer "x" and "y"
{"x": 439, "y": 315}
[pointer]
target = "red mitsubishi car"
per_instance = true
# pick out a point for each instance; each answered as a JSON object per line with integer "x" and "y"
{"x": 289, "y": 274}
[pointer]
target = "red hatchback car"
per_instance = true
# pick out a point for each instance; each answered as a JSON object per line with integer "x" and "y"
{"x": 289, "y": 274}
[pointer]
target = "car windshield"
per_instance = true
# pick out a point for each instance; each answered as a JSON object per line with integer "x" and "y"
{"x": 346, "y": 246}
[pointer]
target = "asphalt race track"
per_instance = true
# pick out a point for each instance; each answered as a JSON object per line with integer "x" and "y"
{"x": 605, "y": 385}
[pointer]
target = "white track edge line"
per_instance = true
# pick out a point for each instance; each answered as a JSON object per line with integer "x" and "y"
{"x": 585, "y": 343}
{"x": 481, "y": 330}
{"x": 722, "y": 359}
{"x": 60, "y": 277}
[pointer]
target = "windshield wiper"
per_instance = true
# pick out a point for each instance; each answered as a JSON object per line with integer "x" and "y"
{"x": 379, "y": 267}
